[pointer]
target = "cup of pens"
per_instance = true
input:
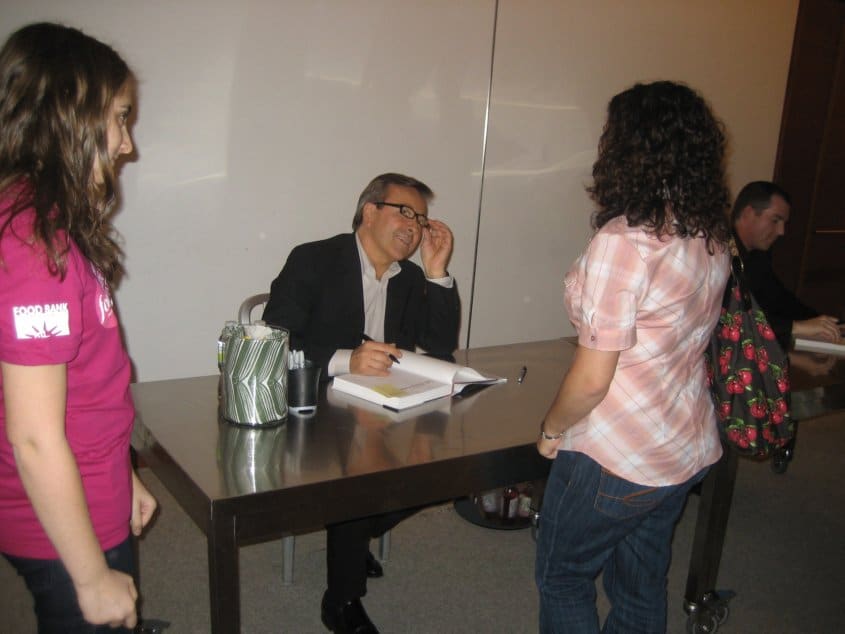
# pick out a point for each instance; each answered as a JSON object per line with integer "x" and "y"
{"x": 303, "y": 384}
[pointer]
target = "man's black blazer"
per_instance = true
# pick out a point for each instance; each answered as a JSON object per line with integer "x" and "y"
{"x": 318, "y": 297}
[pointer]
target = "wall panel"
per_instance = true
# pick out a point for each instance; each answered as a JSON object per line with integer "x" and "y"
{"x": 556, "y": 66}
{"x": 259, "y": 124}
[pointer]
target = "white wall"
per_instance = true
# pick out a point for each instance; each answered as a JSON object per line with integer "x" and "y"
{"x": 261, "y": 120}
{"x": 557, "y": 64}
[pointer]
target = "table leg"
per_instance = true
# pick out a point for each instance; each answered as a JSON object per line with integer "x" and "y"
{"x": 288, "y": 555}
{"x": 714, "y": 508}
{"x": 539, "y": 488}
{"x": 223, "y": 574}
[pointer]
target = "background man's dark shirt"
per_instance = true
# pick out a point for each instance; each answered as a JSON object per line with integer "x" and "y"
{"x": 781, "y": 306}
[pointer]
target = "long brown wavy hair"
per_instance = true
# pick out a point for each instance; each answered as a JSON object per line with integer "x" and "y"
{"x": 661, "y": 164}
{"x": 56, "y": 88}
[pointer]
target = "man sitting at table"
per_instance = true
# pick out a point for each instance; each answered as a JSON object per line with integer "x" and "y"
{"x": 759, "y": 217}
{"x": 351, "y": 302}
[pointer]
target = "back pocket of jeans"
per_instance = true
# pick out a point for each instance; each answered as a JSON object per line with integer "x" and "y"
{"x": 620, "y": 499}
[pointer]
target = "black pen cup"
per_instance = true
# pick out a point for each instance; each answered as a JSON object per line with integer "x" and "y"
{"x": 303, "y": 389}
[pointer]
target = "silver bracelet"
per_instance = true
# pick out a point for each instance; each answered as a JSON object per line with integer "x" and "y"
{"x": 546, "y": 436}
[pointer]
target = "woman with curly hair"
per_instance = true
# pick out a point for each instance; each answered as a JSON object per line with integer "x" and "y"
{"x": 68, "y": 494}
{"x": 632, "y": 427}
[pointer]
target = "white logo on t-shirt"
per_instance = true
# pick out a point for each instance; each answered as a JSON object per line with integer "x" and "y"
{"x": 105, "y": 305}
{"x": 40, "y": 321}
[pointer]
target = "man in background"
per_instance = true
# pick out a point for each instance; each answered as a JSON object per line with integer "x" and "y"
{"x": 759, "y": 217}
{"x": 352, "y": 303}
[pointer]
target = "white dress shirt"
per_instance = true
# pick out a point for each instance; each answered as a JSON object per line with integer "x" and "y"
{"x": 375, "y": 305}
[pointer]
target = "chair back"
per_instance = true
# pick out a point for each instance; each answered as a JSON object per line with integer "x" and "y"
{"x": 247, "y": 306}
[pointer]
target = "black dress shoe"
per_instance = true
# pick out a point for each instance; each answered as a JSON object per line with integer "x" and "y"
{"x": 374, "y": 569}
{"x": 347, "y": 618}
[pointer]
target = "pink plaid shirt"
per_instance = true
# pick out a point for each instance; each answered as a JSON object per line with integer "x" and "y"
{"x": 656, "y": 302}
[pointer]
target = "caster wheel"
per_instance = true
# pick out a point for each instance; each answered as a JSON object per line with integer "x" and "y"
{"x": 535, "y": 524}
{"x": 721, "y": 612}
{"x": 779, "y": 463}
{"x": 716, "y": 603}
{"x": 152, "y": 626}
{"x": 702, "y": 622}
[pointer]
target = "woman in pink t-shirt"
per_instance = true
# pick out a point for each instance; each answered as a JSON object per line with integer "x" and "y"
{"x": 632, "y": 428}
{"x": 68, "y": 494}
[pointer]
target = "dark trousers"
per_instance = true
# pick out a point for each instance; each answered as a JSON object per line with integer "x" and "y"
{"x": 347, "y": 545}
{"x": 56, "y": 606}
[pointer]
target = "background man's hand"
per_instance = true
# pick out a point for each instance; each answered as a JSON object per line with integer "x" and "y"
{"x": 810, "y": 363}
{"x": 823, "y": 328}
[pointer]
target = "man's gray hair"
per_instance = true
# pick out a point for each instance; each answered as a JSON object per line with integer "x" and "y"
{"x": 377, "y": 189}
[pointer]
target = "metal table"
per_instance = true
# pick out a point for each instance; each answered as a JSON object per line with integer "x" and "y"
{"x": 351, "y": 459}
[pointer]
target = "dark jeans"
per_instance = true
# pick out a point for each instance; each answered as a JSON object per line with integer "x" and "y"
{"x": 56, "y": 606}
{"x": 594, "y": 521}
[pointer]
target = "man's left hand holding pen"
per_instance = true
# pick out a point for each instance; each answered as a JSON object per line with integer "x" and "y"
{"x": 373, "y": 358}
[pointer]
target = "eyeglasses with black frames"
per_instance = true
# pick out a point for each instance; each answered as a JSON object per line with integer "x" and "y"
{"x": 410, "y": 214}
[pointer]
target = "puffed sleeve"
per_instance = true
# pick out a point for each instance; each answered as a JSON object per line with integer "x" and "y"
{"x": 602, "y": 291}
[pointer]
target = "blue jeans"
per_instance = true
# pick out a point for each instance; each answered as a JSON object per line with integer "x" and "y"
{"x": 592, "y": 520}
{"x": 56, "y": 606}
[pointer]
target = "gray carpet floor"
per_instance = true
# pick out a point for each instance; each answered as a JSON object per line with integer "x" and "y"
{"x": 784, "y": 556}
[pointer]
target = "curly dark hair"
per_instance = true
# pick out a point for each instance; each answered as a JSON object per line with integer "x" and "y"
{"x": 661, "y": 164}
{"x": 56, "y": 85}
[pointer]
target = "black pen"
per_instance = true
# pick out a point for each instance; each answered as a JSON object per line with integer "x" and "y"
{"x": 366, "y": 337}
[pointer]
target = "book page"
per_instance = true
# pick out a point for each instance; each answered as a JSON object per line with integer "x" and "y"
{"x": 400, "y": 384}
{"x": 414, "y": 379}
{"x": 343, "y": 399}
{"x": 467, "y": 375}
{"x": 429, "y": 367}
{"x": 443, "y": 371}
{"x": 824, "y": 347}
{"x": 398, "y": 390}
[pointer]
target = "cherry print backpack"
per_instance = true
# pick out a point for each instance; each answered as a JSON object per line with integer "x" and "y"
{"x": 748, "y": 373}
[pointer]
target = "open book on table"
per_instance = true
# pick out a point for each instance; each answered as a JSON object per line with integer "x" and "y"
{"x": 347, "y": 401}
{"x": 823, "y": 347}
{"x": 415, "y": 379}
